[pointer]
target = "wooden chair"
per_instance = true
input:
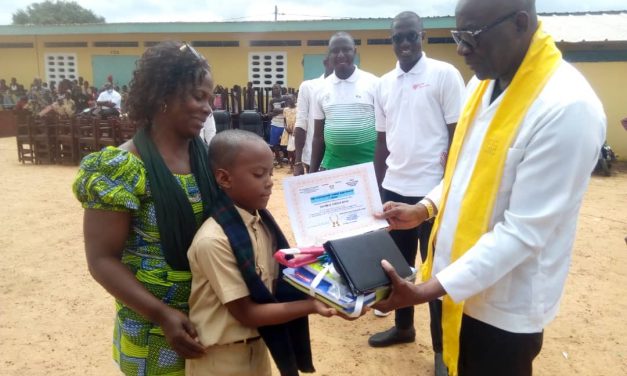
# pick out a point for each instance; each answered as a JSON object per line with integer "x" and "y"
{"x": 86, "y": 135}
{"x": 43, "y": 130}
{"x": 106, "y": 132}
{"x": 236, "y": 100}
{"x": 126, "y": 130}
{"x": 24, "y": 137}
{"x": 260, "y": 100}
{"x": 66, "y": 141}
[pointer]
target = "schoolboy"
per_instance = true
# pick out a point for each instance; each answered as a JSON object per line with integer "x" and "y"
{"x": 224, "y": 309}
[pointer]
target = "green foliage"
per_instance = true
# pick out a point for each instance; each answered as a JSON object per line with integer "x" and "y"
{"x": 55, "y": 13}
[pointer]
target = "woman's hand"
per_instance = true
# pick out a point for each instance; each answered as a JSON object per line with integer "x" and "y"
{"x": 180, "y": 333}
{"x": 105, "y": 235}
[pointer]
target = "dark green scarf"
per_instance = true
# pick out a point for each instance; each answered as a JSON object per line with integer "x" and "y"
{"x": 175, "y": 217}
{"x": 289, "y": 343}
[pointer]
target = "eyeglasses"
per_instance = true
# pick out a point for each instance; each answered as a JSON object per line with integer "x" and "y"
{"x": 470, "y": 37}
{"x": 187, "y": 47}
{"x": 410, "y": 36}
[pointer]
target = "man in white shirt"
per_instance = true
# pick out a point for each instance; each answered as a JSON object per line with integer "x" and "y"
{"x": 110, "y": 99}
{"x": 416, "y": 105}
{"x": 208, "y": 129}
{"x": 501, "y": 277}
{"x": 344, "y": 132}
{"x": 304, "y": 129}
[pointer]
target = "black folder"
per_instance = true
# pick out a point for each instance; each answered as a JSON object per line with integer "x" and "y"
{"x": 358, "y": 260}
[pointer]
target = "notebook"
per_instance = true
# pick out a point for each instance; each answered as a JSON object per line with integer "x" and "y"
{"x": 358, "y": 260}
{"x": 329, "y": 290}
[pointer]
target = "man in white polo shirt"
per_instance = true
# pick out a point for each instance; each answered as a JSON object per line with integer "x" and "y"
{"x": 304, "y": 129}
{"x": 417, "y": 105}
{"x": 344, "y": 132}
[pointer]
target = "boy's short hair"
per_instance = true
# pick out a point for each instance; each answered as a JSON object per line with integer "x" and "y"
{"x": 226, "y": 145}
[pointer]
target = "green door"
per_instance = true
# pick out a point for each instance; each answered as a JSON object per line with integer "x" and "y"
{"x": 313, "y": 68}
{"x": 120, "y": 67}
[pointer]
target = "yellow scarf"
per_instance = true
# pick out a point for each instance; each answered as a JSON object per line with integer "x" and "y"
{"x": 539, "y": 64}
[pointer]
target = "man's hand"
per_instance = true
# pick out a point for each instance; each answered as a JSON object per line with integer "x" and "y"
{"x": 403, "y": 294}
{"x": 180, "y": 334}
{"x": 403, "y": 216}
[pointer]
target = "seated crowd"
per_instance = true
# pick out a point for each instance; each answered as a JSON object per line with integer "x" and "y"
{"x": 67, "y": 98}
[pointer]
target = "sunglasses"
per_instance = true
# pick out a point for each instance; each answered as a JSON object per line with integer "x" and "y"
{"x": 192, "y": 50}
{"x": 410, "y": 36}
{"x": 470, "y": 38}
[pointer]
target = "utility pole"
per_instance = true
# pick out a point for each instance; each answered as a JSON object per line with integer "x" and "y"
{"x": 276, "y": 12}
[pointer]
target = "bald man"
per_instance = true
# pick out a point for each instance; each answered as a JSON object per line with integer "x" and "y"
{"x": 417, "y": 105}
{"x": 344, "y": 125}
{"x": 519, "y": 164}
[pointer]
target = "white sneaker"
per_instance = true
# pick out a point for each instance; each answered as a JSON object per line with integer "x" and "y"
{"x": 381, "y": 314}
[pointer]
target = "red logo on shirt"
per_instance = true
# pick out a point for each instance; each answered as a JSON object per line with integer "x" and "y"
{"x": 420, "y": 85}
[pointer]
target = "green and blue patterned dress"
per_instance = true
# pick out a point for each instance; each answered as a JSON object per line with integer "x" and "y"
{"x": 114, "y": 179}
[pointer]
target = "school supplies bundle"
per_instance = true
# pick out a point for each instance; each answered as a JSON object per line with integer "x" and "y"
{"x": 336, "y": 208}
{"x": 321, "y": 281}
{"x": 358, "y": 260}
{"x": 345, "y": 273}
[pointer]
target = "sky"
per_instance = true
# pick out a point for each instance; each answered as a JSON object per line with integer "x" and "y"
{"x": 253, "y": 10}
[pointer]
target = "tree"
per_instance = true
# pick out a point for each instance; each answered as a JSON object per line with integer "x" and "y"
{"x": 55, "y": 13}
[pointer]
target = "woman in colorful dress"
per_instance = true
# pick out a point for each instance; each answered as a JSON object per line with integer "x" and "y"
{"x": 144, "y": 201}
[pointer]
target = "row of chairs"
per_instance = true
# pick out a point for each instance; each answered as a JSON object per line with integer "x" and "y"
{"x": 248, "y": 120}
{"x": 66, "y": 140}
{"x": 239, "y": 99}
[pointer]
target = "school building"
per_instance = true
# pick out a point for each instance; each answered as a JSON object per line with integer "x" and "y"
{"x": 289, "y": 52}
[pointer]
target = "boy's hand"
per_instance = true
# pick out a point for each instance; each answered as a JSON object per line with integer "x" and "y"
{"x": 351, "y": 318}
{"x": 322, "y": 309}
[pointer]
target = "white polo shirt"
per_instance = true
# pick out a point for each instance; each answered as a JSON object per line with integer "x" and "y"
{"x": 513, "y": 277}
{"x": 347, "y": 106}
{"x": 413, "y": 109}
{"x": 304, "y": 118}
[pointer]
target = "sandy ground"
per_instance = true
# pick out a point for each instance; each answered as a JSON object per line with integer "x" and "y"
{"x": 55, "y": 320}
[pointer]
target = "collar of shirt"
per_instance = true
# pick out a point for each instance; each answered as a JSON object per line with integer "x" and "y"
{"x": 249, "y": 219}
{"x": 415, "y": 70}
{"x": 353, "y": 77}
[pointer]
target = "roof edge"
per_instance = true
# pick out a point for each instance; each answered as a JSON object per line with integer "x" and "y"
{"x": 348, "y": 24}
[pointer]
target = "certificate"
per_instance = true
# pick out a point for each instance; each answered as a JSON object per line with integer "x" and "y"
{"x": 333, "y": 204}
